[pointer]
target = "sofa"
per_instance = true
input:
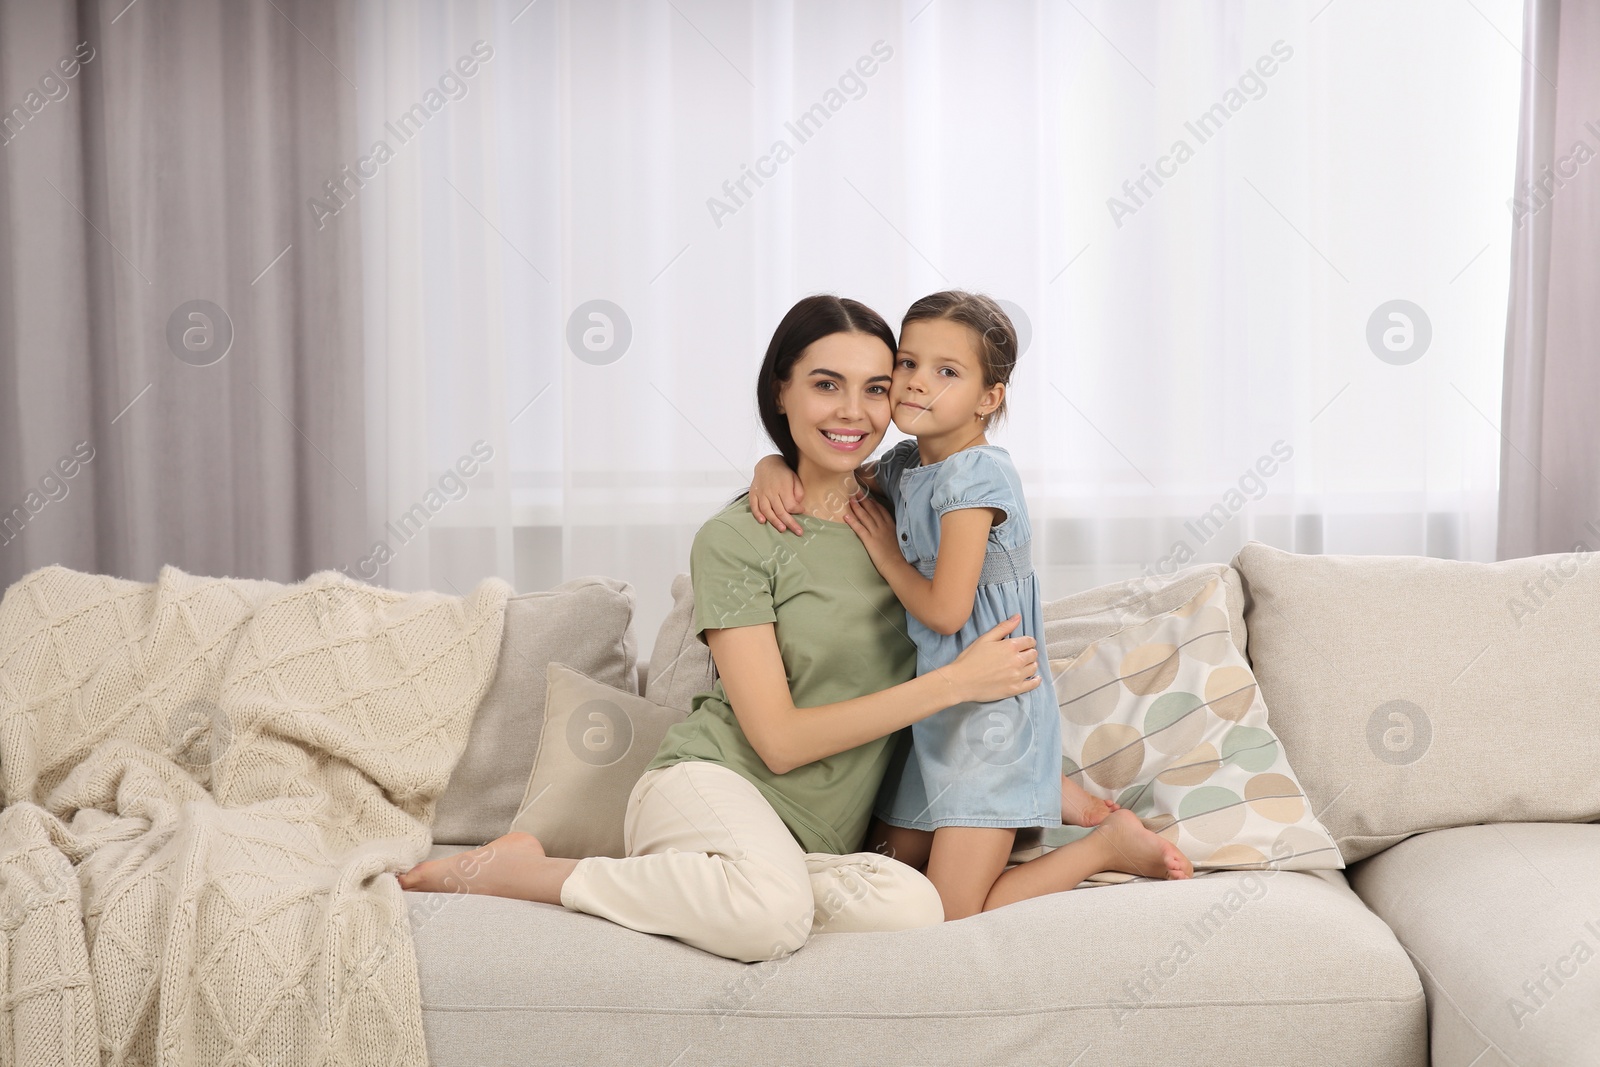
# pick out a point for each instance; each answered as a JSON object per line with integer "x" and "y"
{"x": 1441, "y": 716}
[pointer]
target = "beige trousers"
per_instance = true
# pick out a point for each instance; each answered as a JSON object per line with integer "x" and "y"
{"x": 711, "y": 864}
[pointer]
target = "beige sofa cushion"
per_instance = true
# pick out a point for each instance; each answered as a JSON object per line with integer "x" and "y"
{"x": 1503, "y": 924}
{"x": 595, "y": 744}
{"x": 1283, "y": 967}
{"x": 1073, "y": 623}
{"x": 680, "y": 663}
{"x": 1414, "y": 693}
{"x": 586, "y": 623}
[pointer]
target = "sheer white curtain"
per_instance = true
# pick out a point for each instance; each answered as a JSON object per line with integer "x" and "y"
{"x": 1204, "y": 213}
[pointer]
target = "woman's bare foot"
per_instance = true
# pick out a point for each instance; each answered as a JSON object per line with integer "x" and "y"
{"x": 1079, "y": 807}
{"x": 1135, "y": 850}
{"x": 513, "y": 865}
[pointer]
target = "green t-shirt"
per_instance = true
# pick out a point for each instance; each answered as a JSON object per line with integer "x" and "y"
{"x": 842, "y": 634}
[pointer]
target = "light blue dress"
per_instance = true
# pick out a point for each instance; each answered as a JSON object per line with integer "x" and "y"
{"x": 988, "y": 764}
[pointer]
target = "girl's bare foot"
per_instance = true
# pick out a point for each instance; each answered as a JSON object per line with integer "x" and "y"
{"x": 1079, "y": 807}
{"x": 1135, "y": 850}
{"x": 513, "y": 865}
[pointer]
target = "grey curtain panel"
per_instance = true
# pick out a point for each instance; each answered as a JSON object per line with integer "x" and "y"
{"x": 180, "y": 345}
{"x": 1550, "y": 461}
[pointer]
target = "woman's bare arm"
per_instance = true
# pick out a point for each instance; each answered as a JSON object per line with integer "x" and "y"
{"x": 776, "y": 493}
{"x": 786, "y": 737}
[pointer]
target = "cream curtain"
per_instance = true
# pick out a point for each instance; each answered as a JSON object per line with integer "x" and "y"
{"x": 1289, "y": 328}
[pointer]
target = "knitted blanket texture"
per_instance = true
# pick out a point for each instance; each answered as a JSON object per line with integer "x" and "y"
{"x": 208, "y": 787}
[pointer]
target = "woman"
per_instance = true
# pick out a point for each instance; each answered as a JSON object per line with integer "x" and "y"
{"x": 741, "y": 833}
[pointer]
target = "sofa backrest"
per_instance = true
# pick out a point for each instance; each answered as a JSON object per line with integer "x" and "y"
{"x": 586, "y": 624}
{"x": 1413, "y": 694}
{"x": 680, "y": 663}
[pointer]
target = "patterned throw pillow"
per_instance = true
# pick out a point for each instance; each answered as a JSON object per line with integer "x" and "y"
{"x": 1165, "y": 718}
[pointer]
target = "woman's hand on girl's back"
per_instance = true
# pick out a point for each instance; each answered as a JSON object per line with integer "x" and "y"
{"x": 994, "y": 666}
{"x": 776, "y": 494}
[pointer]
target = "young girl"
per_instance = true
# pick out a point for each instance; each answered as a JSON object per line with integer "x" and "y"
{"x": 956, "y": 552}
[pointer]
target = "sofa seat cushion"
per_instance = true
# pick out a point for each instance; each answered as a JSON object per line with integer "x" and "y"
{"x": 1503, "y": 922}
{"x": 1297, "y": 972}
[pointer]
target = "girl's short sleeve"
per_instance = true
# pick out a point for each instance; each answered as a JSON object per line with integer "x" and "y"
{"x": 891, "y": 465}
{"x": 972, "y": 478}
{"x": 732, "y": 581}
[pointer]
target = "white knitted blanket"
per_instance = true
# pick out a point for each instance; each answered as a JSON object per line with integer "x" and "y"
{"x": 209, "y": 784}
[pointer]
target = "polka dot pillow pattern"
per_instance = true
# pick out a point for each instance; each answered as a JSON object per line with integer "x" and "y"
{"x": 1165, "y": 718}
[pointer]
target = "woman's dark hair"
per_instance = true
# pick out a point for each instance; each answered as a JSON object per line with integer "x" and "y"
{"x": 996, "y": 336}
{"x": 810, "y": 320}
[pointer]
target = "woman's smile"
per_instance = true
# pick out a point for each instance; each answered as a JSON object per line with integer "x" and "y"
{"x": 844, "y": 439}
